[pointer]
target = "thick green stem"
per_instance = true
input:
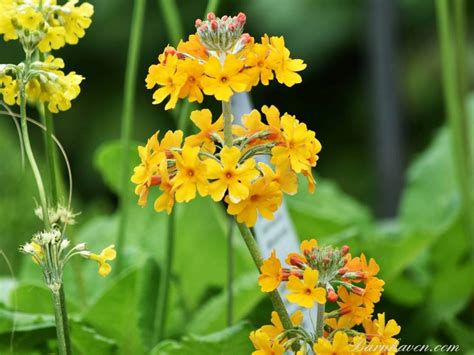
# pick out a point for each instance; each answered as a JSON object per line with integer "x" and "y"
{"x": 275, "y": 297}
{"x": 320, "y": 320}
{"x": 165, "y": 280}
{"x": 227, "y": 113}
{"x": 455, "y": 106}
{"x": 60, "y": 315}
{"x": 172, "y": 20}
{"x": 127, "y": 118}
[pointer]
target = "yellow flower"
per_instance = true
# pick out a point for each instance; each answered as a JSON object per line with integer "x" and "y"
{"x": 166, "y": 200}
{"x": 339, "y": 346}
{"x": 297, "y": 140}
{"x": 7, "y": 8}
{"x": 373, "y": 291}
{"x": 29, "y": 19}
{"x": 171, "y": 81}
{"x": 67, "y": 88}
{"x": 191, "y": 174}
{"x": 259, "y": 67}
{"x": 283, "y": 175}
{"x": 39, "y": 253}
{"x": 277, "y": 327}
{"x": 272, "y": 115}
{"x": 352, "y": 306}
{"x": 203, "y": 120}
{"x": 252, "y": 123}
{"x": 105, "y": 255}
{"x": 305, "y": 293}
{"x": 222, "y": 80}
{"x": 285, "y": 68}
{"x": 230, "y": 176}
{"x": 384, "y": 332}
{"x": 264, "y": 345}
{"x": 192, "y": 84}
{"x": 271, "y": 275}
{"x": 55, "y": 38}
{"x": 9, "y": 89}
{"x": 194, "y": 48}
{"x": 264, "y": 197}
{"x": 308, "y": 245}
{"x": 76, "y": 20}
{"x": 340, "y": 323}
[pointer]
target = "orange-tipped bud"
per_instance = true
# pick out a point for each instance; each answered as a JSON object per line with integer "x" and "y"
{"x": 357, "y": 290}
{"x": 241, "y": 18}
{"x": 198, "y": 23}
{"x": 326, "y": 260}
{"x": 361, "y": 275}
{"x": 285, "y": 274}
{"x": 245, "y": 38}
{"x": 332, "y": 296}
{"x": 155, "y": 180}
{"x": 296, "y": 261}
{"x": 345, "y": 249}
{"x": 344, "y": 310}
{"x": 211, "y": 16}
{"x": 343, "y": 270}
{"x": 214, "y": 25}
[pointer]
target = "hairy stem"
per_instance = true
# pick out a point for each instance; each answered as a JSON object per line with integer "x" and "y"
{"x": 320, "y": 321}
{"x": 127, "y": 118}
{"x": 60, "y": 315}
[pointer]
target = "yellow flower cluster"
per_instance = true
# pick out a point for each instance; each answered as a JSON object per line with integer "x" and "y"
{"x": 320, "y": 274}
{"x": 203, "y": 165}
{"x": 43, "y": 23}
{"x": 219, "y": 60}
{"x": 48, "y": 84}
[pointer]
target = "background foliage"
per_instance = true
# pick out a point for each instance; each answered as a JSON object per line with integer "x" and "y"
{"x": 423, "y": 250}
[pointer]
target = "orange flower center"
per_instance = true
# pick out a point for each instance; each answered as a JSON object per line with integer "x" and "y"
{"x": 307, "y": 291}
{"x": 190, "y": 172}
{"x": 228, "y": 175}
{"x": 224, "y": 79}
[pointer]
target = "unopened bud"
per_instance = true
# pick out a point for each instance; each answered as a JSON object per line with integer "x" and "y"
{"x": 326, "y": 260}
{"x": 342, "y": 270}
{"x": 155, "y": 180}
{"x": 357, "y": 290}
{"x": 224, "y": 18}
{"x": 345, "y": 249}
{"x": 296, "y": 261}
{"x": 211, "y": 16}
{"x": 245, "y": 38}
{"x": 198, "y": 23}
{"x": 214, "y": 25}
{"x": 241, "y": 18}
{"x": 332, "y": 296}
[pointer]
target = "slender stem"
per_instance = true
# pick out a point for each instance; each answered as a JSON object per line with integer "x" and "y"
{"x": 457, "y": 120}
{"x": 172, "y": 20}
{"x": 230, "y": 273}
{"x": 227, "y": 113}
{"x": 51, "y": 159}
{"x": 127, "y": 117}
{"x": 165, "y": 280}
{"x": 60, "y": 315}
{"x": 320, "y": 320}
{"x": 212, "y": 6}
{"x": 275, "y": 297}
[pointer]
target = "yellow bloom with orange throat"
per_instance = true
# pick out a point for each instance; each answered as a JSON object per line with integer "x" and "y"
{"x": 305, "y": 292}
{"x": 271, "y": 273}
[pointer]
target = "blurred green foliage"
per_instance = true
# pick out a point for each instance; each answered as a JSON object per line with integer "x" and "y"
{"x": 423, "y": 252}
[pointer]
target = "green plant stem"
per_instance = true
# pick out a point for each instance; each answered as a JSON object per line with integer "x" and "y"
{"x": 51, "y": 158}
{"x": 320, "y": 320}
{"x": 165, "y": 279}
{"x": 455, "y": 107}
{"x": 212, "y": 6}
{"x": 172, "y": 20}
{"x": 275, "y": 297}
{"x": 60, "y": 315}
{"x": 127, "y": 119}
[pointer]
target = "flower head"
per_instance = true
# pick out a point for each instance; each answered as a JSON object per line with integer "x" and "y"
{"x": 271, "y": 275}
{"x": 339, "y": 345}
{"x": 305, "y": 293}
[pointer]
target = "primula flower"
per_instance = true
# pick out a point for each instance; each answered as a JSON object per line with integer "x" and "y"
{"x": 339, "y": 323}
{"x": 192, "y": 85}
{"x": 383, "y": 332}
{"x": 191, "y": 175}
{"x": 283, "y": 175}
{"x": 168, "y": 78}
{"x": 204, "y": 139}
{"x": 277, "y": 327}
{"x": 271, "y": 275}
{"x": 229, "y": 175}
{"x": 29, "y": 19}
{"x": 373, "y": 291}
{"x": 166, "y": 201}
{"x": 352, "y": 306}
{"x": 264, "y": 345}
{"x": 305, "y": 293}
{"x": 308, "y": 245}
{"x": 264, "y": 197}
{"x": 360, "y": 265}
{"x": 260, "y": 69}
{"x": 223, "y": 80}
{"x": 339, "y": 345}
{"x": 105, "y": 255}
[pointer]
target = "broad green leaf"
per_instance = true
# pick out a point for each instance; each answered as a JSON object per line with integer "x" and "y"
{"x": 212, "y": 316}
{"x": 233, "y": 340}
{"x": 87, "y": 341}
{"x": 461, "y": 334}
{"x": 7, "y": 284}
{"x": 114, "y": 314}
{"x": 326, "y": 212}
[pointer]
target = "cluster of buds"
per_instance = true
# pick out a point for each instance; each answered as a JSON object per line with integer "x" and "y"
{"x": 314, "y": 277}
{"x": 51, "y": 251}
{"x": 58, "y": 215}
{"x": 222, "y": 34}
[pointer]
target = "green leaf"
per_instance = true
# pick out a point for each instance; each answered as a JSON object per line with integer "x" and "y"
{"x": 107, "y": 159}
{"x": 212, "y": 316}
{"x": 326, "y": 212}
{"x": 461, "y": 334}
{"x": 87, "y": 341}
{"x": 233, "y": 340}
{"x": 114, "y": 314}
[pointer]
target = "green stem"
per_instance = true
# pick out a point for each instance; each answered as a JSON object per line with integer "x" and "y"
{"x": 227, "y": 113}
{"x": 275, "y": 297}
{"x": 60, "y": 315}
{"x": 320, "y": 320}
{"x": 127, "y": 118}
{"x": 457, "y": 119}
{"x": 51, "y": 158}
{"x": 212, "y": 6}
{"x": 165, "y": 280}
{"x": 172, "y": 20}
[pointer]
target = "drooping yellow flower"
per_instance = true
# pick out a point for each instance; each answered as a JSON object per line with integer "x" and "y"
{"x": 305, "y": 292}
{"x": 166, "y": 201}
{"x": 194, "y": 48}
{"x": 285, "y": 68}
{"x": 283, "y": 175}
{"x": 251, "y": 124}
{"x": 373, "y": 291}
{"x": 105, "y": 255}
{"x": 54, "y": 38}
{"x": 277, "y": 327}
{"x": 76, "y": 20}
{"x": 39, "y": 253}
{"x": 7, "y": 11}
{"x": 339, "y": 346}
{"x": 203, "y": 120}
{"x": 29, "y": 19}
{"x": 166, "y": 76}
{"x": 271, "y": 273}
{"x": 352, "y": 306}
{"x": 295, "y": 146}
{"x": 230, "y": 176}
{"x": 265, "y": 197}
{"x": 223, "y": 80}
{"x": 9, "y": 88}
{"x": 264, "y": 345}
{"x": 67, "y": 88}
{"x": 191, "y": 175}
{"x": 272, "y": 115}
{"x": 260, "y": 70}
{"x": 192, "y": 85}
